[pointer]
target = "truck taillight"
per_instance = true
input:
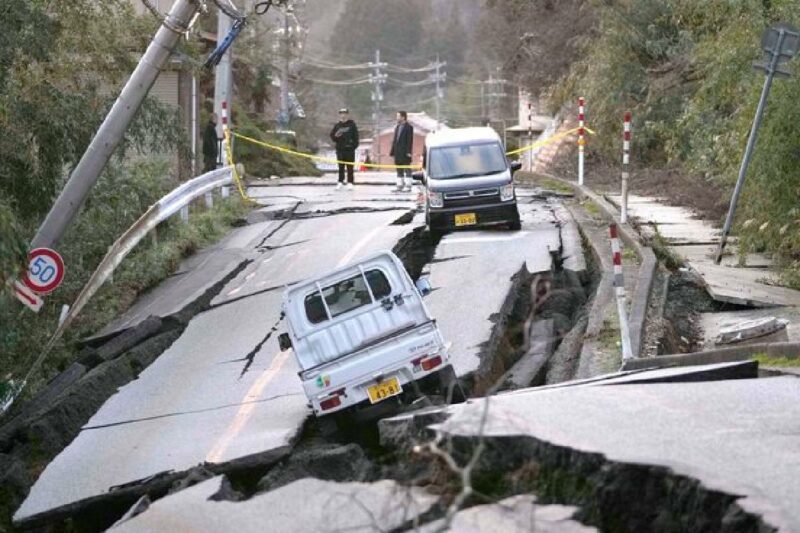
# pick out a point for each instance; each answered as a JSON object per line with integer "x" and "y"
{"x": 430, "y": 363}
{"x": 330, "y": 403}
{"x": 334, "y": 400}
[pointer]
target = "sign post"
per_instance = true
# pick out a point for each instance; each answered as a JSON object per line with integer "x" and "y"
{"x": 780, "y": 42}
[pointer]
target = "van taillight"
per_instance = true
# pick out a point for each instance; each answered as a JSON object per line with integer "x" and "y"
{"x": 433, "y": 362}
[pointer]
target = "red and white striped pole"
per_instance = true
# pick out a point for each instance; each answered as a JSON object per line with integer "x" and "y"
{"x": 581, "y": 136}
{"x": 619, "y": 289}
{"x": 626, "y": 160}
{"x": 530, "y": 134}
{"x": 225, "y": 191}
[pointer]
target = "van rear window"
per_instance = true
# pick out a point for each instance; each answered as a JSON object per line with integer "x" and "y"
{"x": 347, "y": 295}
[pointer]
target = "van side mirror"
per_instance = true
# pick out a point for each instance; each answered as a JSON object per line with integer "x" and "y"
{"x": 424, "y": 286}
{"x": 418, "y": 175}
{"x": 515, "y": 165}
{"x": 284, "y": 341}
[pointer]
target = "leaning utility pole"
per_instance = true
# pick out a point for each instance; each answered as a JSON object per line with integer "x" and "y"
{"x": 113, "y": 128}
{"x": 283, "y": 117}
{"x": 377, "y": 79}
{"x": 223, "y": 83}
{"x": 780, "y": 43}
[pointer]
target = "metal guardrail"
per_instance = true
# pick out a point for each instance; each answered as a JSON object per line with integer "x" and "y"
{"x": 159, "y": 212}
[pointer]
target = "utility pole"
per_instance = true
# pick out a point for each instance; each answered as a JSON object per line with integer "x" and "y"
{"x": 377, "y": 79}
{"x": 483, "y": 101}
{"x": 223, "y": 84}
{"x": 283, "y": 118}
{"x": 113, "y": 128}
{"x": 780, "y": 43}
{"x": 439, "y": 77}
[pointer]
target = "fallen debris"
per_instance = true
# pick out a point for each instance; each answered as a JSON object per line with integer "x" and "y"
{"x": 750, "y": 329}
{"x": 307, "y": 505}
{"x": 518, "y": 514}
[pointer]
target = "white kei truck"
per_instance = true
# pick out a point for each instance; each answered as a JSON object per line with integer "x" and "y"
{"x": 363, "y": 336}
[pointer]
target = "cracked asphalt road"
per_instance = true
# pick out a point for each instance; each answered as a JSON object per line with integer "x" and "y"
{"x": 224, "y": 391}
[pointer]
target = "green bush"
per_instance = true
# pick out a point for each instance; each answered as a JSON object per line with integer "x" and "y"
{"x": 264, "y": 162}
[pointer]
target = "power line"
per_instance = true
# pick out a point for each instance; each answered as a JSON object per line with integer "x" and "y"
{"x": 427, "y": 81}
{"x": 359, "y": 81}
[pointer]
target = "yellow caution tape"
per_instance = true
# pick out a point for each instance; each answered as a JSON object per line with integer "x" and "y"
{"x": 283, "y": 149}
{"x": 320, "y": 158}
{"x": 236, "y": 178}
{"x": 545, "y": 142}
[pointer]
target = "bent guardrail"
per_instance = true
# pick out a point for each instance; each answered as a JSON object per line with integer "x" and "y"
{"x": 157, "y": 213}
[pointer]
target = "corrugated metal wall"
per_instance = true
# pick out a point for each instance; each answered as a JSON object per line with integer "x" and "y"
{"x": 166, "y": 88}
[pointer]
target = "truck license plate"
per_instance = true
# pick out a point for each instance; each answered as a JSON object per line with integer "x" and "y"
{"x": 466, "y": 219}
{"x": 384, "y": 389}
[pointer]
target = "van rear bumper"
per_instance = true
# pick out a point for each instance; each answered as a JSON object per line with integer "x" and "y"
{"x": 486, "y": 215}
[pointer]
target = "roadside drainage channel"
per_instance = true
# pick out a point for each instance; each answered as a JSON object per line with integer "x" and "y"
{"x": 646, "y": 275}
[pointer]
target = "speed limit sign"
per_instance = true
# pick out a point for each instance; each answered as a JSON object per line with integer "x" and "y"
{"x": 45, "y": 270}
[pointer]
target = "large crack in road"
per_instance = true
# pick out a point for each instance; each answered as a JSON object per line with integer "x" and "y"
{"x": 508, "y": 340}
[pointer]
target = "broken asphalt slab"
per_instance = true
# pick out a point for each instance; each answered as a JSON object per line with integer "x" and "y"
{"x": 733, "y": 442}
{"x": 518, "y": 514}
{"x": 193, "y": 278}
{"x": 223, "y": 393}
{"x": 689, "y": 236}
{"x": 305, "y": 506}
{"x": 326, "y": 244}
{"x": 193, "y": 405}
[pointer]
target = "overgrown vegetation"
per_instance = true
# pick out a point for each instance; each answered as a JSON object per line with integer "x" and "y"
{"x": 683, "y": 68}
{"x": 780, "y": 362}
{"x": 22, "y": 334}
{"x": 265, "y": 162}
{"x": 63, "y": 63}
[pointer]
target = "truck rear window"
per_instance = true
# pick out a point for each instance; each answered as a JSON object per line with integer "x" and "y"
{"x": 347, "y": 295}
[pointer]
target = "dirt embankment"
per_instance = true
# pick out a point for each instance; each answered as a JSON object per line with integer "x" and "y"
{"x": 677, "y": 186}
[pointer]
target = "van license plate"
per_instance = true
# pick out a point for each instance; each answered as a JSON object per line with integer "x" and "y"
{"x": 467, "y": 219}
{"x": 384, "y": 389}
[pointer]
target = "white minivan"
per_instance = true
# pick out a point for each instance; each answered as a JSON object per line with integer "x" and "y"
{"x": 363, "y": 336}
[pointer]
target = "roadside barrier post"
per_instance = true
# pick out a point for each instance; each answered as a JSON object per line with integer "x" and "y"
{"x": 225, "y": 191}
{"x": 581, "y": 136}
{"x": 530, "y": 133}
{"x": 185, "y": 213}
{"x": 626, "y": 159}
{"x": 619, "y": 289}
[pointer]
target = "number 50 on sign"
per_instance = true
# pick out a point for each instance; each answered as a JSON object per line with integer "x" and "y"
{"x": 45, "y": 270}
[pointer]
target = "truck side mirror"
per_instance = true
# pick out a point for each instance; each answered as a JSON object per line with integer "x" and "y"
{"x": 418, "y": 175}
{"x": 515, "y": 165}
{"x": 424, "y": 286}
{"x": 284, "y": 341}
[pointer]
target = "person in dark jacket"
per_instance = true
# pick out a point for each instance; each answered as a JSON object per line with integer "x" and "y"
{"x": 345, "y": 136}
{"x": 210, "y": 144}
{"x": 402, "y": 148}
